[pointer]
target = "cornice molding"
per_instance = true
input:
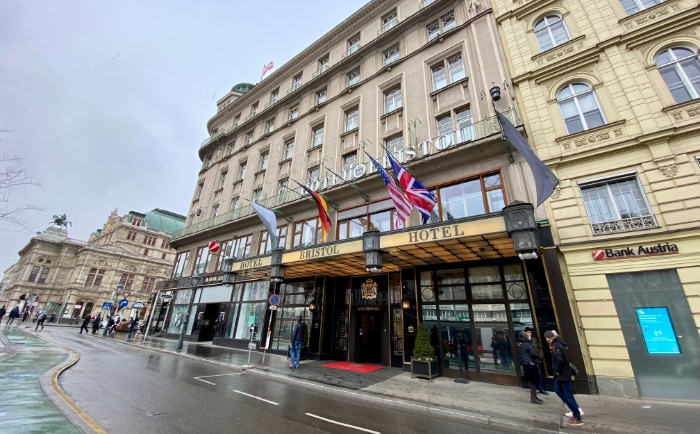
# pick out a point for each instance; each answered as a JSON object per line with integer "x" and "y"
{"x": 661, "y": 27}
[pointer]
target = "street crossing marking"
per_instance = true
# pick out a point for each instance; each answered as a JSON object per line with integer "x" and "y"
{"x": 343, "y": 424}
{"x": 207, "y": 376}
{"x": 256, "y": 397}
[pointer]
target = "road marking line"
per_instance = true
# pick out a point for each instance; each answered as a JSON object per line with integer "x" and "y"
{"x": 256, "y": 397}
{"x": 343, "y": 424}
{"x": 217, "y": 375}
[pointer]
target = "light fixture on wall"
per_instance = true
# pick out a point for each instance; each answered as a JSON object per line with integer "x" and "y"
{"x": 312, "y": 305}
{"x": 520, "y": 224}
{"x": 373, "y": 256}
{"x": 277, "y": 269}
{"x": 495, "y": 92}
{"x": 405, "y": 304}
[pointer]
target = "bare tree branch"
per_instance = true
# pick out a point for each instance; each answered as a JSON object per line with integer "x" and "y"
{"x": 12, "y": 177}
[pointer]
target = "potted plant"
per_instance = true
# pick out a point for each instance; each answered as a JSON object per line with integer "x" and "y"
{"x": 423, "y": 362}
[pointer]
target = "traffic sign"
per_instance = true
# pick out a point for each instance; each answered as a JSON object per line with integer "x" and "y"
{"x": 138, "y": 305}
{"x": 123, "y": 303}
{"x": 274, "y": 299}
{"x": 214, "y": 246}
{"x": 273, "y": 307}
{"x": 106, "y": 305}
{"x": 252, "y": 345}
{"x": 126, "y": 294}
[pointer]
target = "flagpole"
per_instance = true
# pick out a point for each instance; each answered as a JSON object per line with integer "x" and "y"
{"x": 355, "y": 187}
{"x": 262, "y": 74}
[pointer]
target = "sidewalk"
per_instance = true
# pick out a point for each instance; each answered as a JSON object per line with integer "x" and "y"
{"x": 504, "y": 407}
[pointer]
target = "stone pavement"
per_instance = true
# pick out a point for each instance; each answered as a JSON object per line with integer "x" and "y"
{"x": 504, "y": 407}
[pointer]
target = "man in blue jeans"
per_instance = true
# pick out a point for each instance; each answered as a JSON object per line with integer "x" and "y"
{"x": 296, "y": 339}
{"x": 562, "y": 376}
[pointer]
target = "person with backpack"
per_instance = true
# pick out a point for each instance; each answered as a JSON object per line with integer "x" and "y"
{"x": 40, "y": 320}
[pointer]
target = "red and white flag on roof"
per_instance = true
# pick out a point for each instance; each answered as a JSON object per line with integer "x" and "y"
{"x": 266, "y": 68}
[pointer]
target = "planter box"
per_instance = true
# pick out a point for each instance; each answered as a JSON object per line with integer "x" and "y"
{"x": 424, "y": 368}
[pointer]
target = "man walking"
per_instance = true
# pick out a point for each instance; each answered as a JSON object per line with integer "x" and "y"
{"x": 96, "y": 324}
{"x": 3, "y": 311}
{"x": 536, "y": 344}
{"x": 40, "y": 321}
{"x": 562, "y": 376}
{"x": 132, "y": 326}
{"x": 86, "y": 321}
{"x": 14, "y": 314}
{"x": 296, "y": 340}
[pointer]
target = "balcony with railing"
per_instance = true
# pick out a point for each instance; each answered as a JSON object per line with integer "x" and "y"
{"x": 320, "y": 71}
{"x": 353, "y": 49}
{"x": 293, "y": 88}
{"x": 388, "y": 26}
{"x": 624, "y": 225}
{"x": 425, "y": 3}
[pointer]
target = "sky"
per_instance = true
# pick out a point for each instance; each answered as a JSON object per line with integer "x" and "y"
{"x": 107, "y": 102}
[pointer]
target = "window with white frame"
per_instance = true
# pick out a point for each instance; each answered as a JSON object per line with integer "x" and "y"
{"x": 312, "y": 174}
{"x": 680, "y": 69}
{"x": 234, "y": 203}
{"x": 579, "y": 107}
{"x": 236, "y": 120}
{"x": 321, "y": 96}
{"x": 354, "y": 76}
{"x": 462, "y": 118}
{"x": 323, "y": 64}
{"x": 352, "y": 118}
{"x": 391, "y": 55}
{"x": 616, "y": 205}
{"x": 353, "y": 44}
{"x": 293, "y": 112}
{"x": 392, "y": 99}
{"x": 242, "y": 169}
{"x": 551, "y": 31}
{"x": 288, "y": 152}
{"x": 248, "y": 138}
{"x": 201, "y": 260}
{"x": 180, "y": 262}
{"x": 438, "y": 27}
{"x": 350, "y": 159}
{"x": 465, "y": 129}
{"x": 634, "y": 6}
{"x": 264, "y": 158}
{"x": 265, "y": 245}
{"x": 317, "y": 136}
{"x": 240, "y": 247}
{"x": 270, "y": 126}
{"x": 198, "y": 191}
{"x": 394, "y": 143}
{"x": 307, "y": 233}
{"x": 230, "y": 147}
{"x": 297, "y": 81}
{"x": 254, "y": 109}
{"x": 447, "y": 71}
{"x": 222, "y": 179}
{"x": 214, "y": 210}
{"x": 389, "y": 21}
{"x": 274, "y": 96}
{"x": 257, "y": 194}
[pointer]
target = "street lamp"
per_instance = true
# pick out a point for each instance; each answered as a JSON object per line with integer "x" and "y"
{"x": 520, "y": 224}
{"x": 373, "y": 256}
{"x": 120, "y": 287}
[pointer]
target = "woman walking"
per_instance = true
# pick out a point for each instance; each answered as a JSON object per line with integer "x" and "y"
{"x": 528, "y": 359}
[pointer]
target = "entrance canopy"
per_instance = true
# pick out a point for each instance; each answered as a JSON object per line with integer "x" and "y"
{"x": 463, "y": 240}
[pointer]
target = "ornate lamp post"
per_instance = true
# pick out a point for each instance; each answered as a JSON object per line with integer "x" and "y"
{"x": 373, "y": 256}
{"x": 520, "y": 224}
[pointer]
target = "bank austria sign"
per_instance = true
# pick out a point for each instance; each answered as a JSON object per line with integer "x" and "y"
{"x": 403, "y": 156}
{"x": 635, "y": 251}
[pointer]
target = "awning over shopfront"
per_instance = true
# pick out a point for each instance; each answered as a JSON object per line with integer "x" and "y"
{"x": 462, "y": 240}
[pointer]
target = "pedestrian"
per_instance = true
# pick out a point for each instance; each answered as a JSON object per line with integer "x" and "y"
{"x": 96, "y": 323}
{"x": 296, "y": 340}
{"x": 540, "y": 367}
{"x": 86, "y": 321}
{"x": 132, "y": 325}
{"x": 494, "y": 350}
{"x": 3, "y": 311}
{"x": 40, "y": 320}
{"x": 25, "y": 315}
{"x": 14, "y": 314}
{"x": 563, "y": 386}
{"x": 528, "y": 360}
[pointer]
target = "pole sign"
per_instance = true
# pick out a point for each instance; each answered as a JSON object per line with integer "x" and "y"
{"x": 138, "y": 305}
{"x": 106, "y": 305}
{"x": 126, "y": 294}
{"x": 123, "y": 303}
{"x": 214, "y": 246}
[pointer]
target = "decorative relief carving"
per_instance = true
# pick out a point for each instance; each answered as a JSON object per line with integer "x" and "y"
{"x": 669, "y": 171}
{"x": 690, "y": 112}
{"x": 652, "y": 15}
{"x": 556, "y": 194}
{"x": 592, "y": 139}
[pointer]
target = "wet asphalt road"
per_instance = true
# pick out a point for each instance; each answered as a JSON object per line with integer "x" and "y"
{"x": 130, "y": 389}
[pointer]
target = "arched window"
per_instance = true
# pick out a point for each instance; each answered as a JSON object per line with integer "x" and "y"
{"x": 550, "y": 32}
{"x": 680, "y": 69}
{"x": 579, "y": 108}
{"x": 634, "y": 6}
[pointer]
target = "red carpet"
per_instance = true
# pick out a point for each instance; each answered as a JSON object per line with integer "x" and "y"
{"x": 354, "y": 367}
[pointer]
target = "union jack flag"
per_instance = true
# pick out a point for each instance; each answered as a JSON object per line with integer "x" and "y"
{"x": 401, "y": 203}
{"x": 416, "y": 192}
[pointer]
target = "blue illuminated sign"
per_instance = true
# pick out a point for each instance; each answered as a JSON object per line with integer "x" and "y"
{"x": 657, "y": 330}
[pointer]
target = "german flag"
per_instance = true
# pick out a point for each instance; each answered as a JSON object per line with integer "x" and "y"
{"x": 322, "y": 211}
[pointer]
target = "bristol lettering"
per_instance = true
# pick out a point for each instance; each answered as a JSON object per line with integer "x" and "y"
{"x": 319, "y": 252}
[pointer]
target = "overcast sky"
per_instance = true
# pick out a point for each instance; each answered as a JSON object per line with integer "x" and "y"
{"x": 108, "y": 101}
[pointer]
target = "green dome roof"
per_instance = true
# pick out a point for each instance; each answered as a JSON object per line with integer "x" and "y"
{"x": 165, "y": 221}
{"x": 242, "y": 87}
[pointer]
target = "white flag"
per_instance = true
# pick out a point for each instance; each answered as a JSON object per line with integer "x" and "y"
{"x": 269, "y": 220}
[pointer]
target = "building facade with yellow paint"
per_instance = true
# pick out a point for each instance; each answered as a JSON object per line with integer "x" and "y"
{"x": 610, "y": 97}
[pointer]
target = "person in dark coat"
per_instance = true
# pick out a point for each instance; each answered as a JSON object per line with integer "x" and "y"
{"x": 40, "y": 320}
{"x": 562, "y": 376}
{"x": 86, "y": 321}
{"x": 3, "y": 311}
{"x": 132, "y": 325}
{"x": 528, "y": 360}
{"x": 96, "y": 323}
{"x": 110, "y": 324}
{"x": 296, "y": 340}
{"x": 14, "y": 314}
{"x": 540, "y": 369}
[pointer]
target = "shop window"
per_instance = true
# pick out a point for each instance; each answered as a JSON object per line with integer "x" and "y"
{"x": 616, "y": 205}
{"x": 294, "y": 298}
{"x": 252, "y": 308}
{"x": 579, "y": 108}
{"x": 473, "y": 197}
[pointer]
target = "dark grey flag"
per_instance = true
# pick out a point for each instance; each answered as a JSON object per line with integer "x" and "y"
{"x": 545, "y": 180}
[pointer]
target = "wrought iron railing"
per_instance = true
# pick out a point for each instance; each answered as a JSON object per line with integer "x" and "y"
{"x": 624, "y": 225}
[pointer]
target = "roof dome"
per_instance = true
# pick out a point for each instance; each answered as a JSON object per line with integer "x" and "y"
{"x": 242, "y": 87}
{"x": 165, "y": 221}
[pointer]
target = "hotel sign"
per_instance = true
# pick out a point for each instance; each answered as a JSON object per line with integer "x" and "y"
{"x": 265, "y": 261}
{"x": 444, "y": 232}
{"x": 635, "y": 251}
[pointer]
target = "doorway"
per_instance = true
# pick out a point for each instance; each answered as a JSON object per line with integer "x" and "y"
{"x": 660, "y": 333}
{"x": 208, "y": 321}
{"x": 369, "y": 337}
